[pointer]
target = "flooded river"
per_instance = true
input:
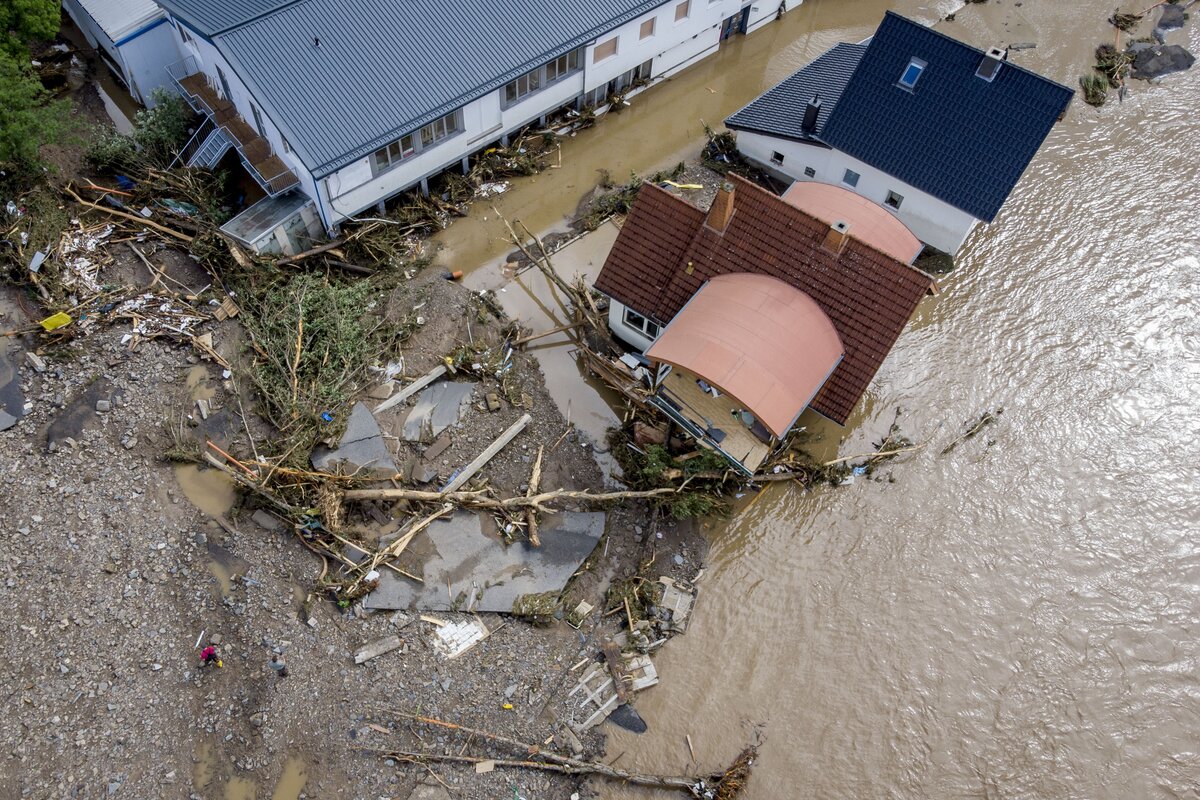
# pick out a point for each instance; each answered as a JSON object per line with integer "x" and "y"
{"x": 1016, "y": 618}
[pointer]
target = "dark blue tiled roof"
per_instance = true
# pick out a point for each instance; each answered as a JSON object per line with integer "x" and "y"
{"x": 780, "y": 110}
{"x": 955, "y": 136}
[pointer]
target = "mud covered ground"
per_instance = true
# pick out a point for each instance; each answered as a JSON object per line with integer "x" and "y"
{"x": 112, "y": 574}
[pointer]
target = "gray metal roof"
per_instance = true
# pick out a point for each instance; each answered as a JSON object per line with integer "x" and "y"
{"x": 385, "y": 68}
{"x": 210, "y": 17}
{"x": 780, "y": 110}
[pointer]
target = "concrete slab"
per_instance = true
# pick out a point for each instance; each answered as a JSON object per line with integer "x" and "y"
{"x": 361, "y": 447}
{"x": 437, "y": 408}
{"x": 484, "y": 574}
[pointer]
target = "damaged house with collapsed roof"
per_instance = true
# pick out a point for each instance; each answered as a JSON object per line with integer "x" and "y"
{"x": 936, "y": 131}
{"x": 760, "y": 307}
{"x": 336, "y": 106}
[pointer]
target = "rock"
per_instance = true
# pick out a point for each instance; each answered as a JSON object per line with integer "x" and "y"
{"x": 6, "y": 420}
{"x": 215, "y": 639}
{"x": 130, "y": 443}
{"x": 1022, "y": 46}
{"x": 493, "y": 401}
{"x": 1155, "y": 62}
{"x": 382, "y": 391}
{"x": 103, "y": 406}
{"x": 1172, "y": 17}
{"x": 266, "y": 520}
{"x": 510, "y": 691}
{"x": 679, "y": 559}
{"x": 35, "y": 361}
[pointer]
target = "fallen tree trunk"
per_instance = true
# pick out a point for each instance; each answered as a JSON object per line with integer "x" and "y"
{"x": 481, "y": 500}
{"x": 698, "y": 786}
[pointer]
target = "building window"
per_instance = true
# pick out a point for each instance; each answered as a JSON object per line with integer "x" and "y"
{"x": 682, "y": 10}
{"x": 605, "y": 50}
{"x": 776, "y": 157}
{"x": 893, "y": 200}
{"x": 850, "y": 178}
{"x": 640, "y": 323}
{"x": 439, "y": 129}
{"x": 183, "y": 34}
{"x": 908, "y": 78}
{"x": 225, "y": 92}
{"x": 387, "y": 157}
{"x": 647, "y": 29}
{"x": 524, "y": 85}
{"x": 562, "y": 66}
{"x": 809, "y": 172}
{"x": 287, "y": 146}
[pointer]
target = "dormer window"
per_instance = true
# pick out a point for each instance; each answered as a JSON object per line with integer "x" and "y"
{"x": 908, "y": 79}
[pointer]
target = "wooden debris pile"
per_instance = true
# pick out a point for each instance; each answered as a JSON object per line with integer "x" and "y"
{"x": 727, "y": 784}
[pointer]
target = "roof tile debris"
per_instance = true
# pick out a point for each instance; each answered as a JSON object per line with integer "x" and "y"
{"x": 665, "y": 253}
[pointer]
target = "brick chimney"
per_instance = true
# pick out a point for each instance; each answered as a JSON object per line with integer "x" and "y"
{"x": 721, "y": 210}
{"x": 835, "y": 239}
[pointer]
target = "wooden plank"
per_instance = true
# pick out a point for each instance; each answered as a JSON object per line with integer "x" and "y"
{"x": 411, "y": 389}
{"x": 495, "y": 447}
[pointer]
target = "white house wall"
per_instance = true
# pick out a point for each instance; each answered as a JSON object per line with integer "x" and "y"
{"x": 146, "y": 58}
{"x": 932, "y": 221}
{"x": 626, "y": 333}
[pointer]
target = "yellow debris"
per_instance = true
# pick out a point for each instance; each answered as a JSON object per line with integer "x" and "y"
{"x": 56, "y": 321}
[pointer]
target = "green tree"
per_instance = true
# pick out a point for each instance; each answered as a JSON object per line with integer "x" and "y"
{"x": 22, "y": 21}
{"x": 28, "y": 116}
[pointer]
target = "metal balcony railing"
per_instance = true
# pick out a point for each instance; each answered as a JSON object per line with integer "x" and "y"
{"x": 267, "y": 169}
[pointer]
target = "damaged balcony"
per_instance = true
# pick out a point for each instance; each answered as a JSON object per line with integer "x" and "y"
{"x": 225, "y": 128}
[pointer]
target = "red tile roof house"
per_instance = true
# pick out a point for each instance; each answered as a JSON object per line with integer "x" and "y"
{"x": 756, "y": 310}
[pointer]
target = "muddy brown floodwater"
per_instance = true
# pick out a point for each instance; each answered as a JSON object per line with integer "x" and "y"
{"x": 1016, "y": 618}
{"x": 1013, "y": 619}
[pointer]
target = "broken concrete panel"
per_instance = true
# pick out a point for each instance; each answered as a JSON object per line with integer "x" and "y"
{"x": 437, "y": 408}
{"x": 377, "y": 648}
{"x": 7, "y": 420}
{"x": 677, "y": 598}
{"x": 483, "y": 573}
{"x": 1172, "y": 17}
{"x": 361, "y": 447}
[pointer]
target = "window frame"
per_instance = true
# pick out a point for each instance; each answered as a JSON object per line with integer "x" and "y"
{"x": 647, "y": 326}
{"x": 913, "y": 64}
{"x": 686, "y": 6}
{"x": 616, "y": 47}
{"x": 642, "y": 33}
{"x": 809, "y": 172}
{"x": 448, "y": 125}
{"x": 391, "y": 154}
{"x": 258, "y": 121}
{"x": 532, "y": 81}
{"x": 186, "y": 36}
{"x": 777, "y": 157}
{"x": 897, "y": 197}
{"x": 853, "y": 184}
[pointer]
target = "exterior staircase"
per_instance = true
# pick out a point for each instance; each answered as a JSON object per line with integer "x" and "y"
{"x": 224, "y": 128}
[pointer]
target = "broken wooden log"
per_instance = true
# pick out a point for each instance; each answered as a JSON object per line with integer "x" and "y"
{"x": 480, "y": 499}
{"x": 131, "y": 217}
{"x": 483, "y": 458}
{"x": 330, "y": 245}
{"x": 724, "y": 785}
{"x": 534, "y": 337}
{"x": 531, "y": 526}
{"x": 411, "y": 389}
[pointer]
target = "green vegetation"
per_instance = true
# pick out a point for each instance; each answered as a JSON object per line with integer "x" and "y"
{"x": 29, "y": 118}
{"x": 157, "y": 137}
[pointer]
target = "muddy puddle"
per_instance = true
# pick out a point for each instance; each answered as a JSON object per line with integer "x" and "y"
{"x": 210, "y": 777}
{"x": 209, "y": 490}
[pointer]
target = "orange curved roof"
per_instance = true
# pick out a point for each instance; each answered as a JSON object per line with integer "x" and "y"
{"x": 869, "y": 222}
{"x": 758, "y": 339}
